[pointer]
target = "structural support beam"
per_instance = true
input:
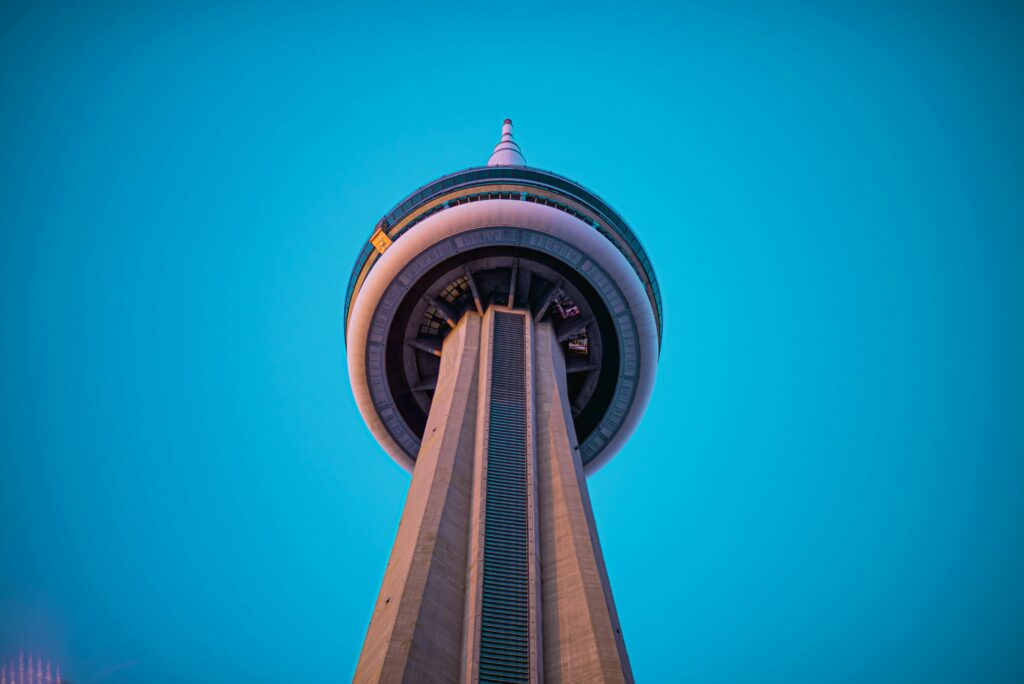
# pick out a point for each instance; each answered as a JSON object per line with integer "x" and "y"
{"x": 426, "y": 385}
{"x": 442, "y": 308}
{"x": 512, "y": 284}
{"x": 581, "y": 367}
{"x": 472, "y": 288}
{"x": 431, "y": 345}
{"x": 574, "y": 327}
{"x": 546, "y": 300}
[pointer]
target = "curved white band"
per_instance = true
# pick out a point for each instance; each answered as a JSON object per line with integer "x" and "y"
{"x": 517, "y": 214}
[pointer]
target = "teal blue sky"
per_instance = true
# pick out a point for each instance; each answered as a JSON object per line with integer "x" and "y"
{"x": 828, "y": 485}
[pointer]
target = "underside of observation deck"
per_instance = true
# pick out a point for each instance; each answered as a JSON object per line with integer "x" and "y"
{"x": 476, "y": 280}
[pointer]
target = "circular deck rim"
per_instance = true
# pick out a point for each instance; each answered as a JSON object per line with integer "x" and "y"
{"x": 422, "y": 202}
{"x": 503, "y": 222}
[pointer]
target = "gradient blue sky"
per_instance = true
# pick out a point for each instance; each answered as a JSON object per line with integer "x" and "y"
{"x": 829, "y": 483}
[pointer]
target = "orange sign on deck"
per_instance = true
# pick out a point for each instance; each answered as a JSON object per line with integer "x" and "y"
{"x": 380, "y": 240}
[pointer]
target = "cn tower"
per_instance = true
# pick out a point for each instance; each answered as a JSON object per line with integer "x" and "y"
{"x": 503, "y": 325}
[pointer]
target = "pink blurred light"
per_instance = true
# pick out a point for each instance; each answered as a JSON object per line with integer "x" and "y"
{"x": 33, "y": 673}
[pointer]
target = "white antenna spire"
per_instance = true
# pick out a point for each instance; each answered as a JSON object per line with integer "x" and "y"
{"x": 507, "y": 152}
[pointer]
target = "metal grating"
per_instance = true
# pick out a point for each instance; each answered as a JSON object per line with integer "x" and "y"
{"x": 505, "y": 630}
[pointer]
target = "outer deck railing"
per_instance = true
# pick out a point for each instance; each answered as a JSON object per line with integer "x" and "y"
{"x": 627, "y": 242}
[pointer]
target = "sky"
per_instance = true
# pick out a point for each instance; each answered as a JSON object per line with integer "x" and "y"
{"x": 828, "y": 485}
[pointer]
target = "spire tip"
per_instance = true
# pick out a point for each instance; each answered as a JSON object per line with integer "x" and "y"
{"x": 507, "y": 152}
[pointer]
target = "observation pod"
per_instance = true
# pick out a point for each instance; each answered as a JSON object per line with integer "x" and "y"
{"x": 503, "y": 327}
{"x": 511, "y": 235}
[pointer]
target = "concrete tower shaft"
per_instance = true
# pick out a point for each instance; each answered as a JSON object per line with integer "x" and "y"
{"x": 496, "y": 573}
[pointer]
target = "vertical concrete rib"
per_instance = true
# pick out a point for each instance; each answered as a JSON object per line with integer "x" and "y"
{"x": 416, "y": 630}
{"x": 581, "y": 634}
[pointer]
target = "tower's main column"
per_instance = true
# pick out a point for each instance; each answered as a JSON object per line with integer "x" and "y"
{"x": 496, "y": 574}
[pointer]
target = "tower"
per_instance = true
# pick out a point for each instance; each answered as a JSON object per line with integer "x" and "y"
{"x": 503, "y": 325}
